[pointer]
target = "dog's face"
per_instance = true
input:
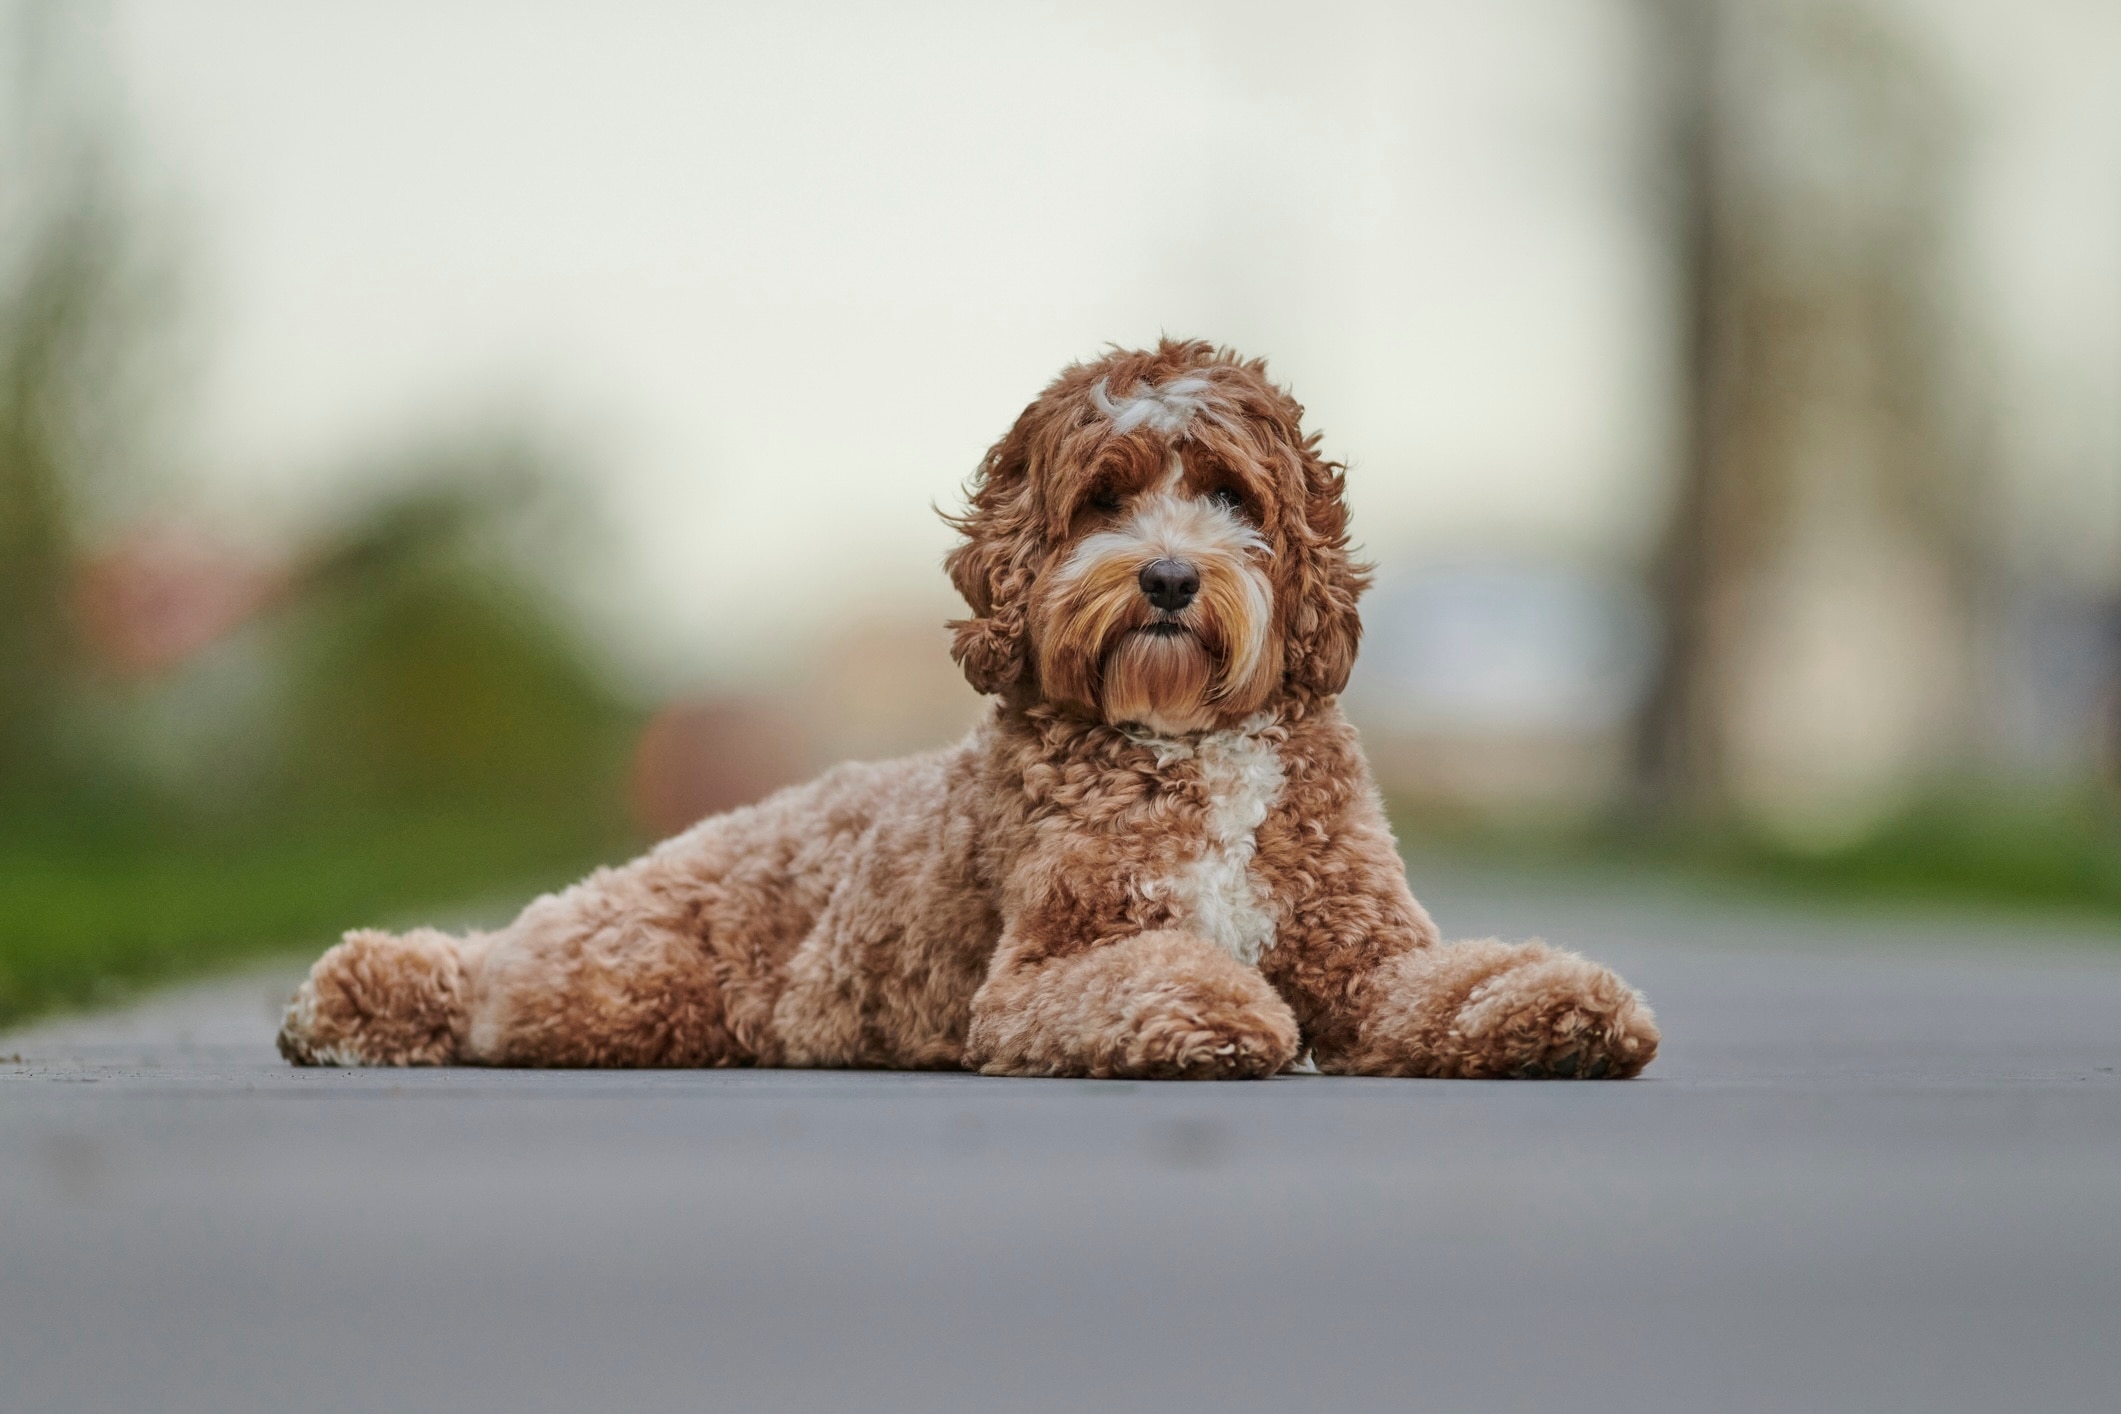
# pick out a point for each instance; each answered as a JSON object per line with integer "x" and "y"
{"x": 1156, "y": 543}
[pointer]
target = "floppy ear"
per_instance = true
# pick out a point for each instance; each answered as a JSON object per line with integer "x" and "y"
{"x": 1324, "y": 628}
{"x": 993, "y": 569}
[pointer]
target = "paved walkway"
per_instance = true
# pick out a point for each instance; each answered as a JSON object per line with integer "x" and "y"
{"x": 1878, "y": 1168}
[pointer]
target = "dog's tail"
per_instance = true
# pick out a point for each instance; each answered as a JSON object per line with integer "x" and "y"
{"x": 382, "y": 999}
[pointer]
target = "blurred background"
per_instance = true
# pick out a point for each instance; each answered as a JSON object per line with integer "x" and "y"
{"x": 445, "y": 445}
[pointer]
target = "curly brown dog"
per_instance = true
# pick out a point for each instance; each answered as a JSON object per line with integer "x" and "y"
{"x": 1160, "y": 855}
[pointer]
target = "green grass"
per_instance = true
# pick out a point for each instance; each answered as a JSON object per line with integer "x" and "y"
{"x": 1998, "y": 853}
{"x": 88, "y": 915}
{"x": 2035, "y": 855}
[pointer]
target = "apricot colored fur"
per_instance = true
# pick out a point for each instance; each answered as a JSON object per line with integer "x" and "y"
{"x": 1161, "y": 855}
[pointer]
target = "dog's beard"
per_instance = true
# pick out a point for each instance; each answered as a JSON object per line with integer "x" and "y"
{"x": 1104, "y": 649}
{"x": 1159, "y": 676}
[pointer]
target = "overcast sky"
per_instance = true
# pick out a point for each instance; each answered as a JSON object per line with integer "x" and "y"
{"x": 784, "y": 271}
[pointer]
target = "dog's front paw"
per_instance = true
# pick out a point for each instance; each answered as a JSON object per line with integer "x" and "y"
{"x": 1486, "y": 1010}
{"x": 1158, "y": 1006}
{"x": 1194, "y": 1037}
{"x": 1561, "y": 1027}
{"x": 1559, "y": 1017}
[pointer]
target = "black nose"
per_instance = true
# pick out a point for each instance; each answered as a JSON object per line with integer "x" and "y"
{"x": 1170, "y": 584}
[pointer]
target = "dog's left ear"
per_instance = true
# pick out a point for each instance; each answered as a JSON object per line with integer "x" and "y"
{"x": 993, "y": 568}
{"x": 1324, "y": 627}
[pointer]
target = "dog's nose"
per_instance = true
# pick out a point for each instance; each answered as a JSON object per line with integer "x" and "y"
{"x": 1170, "y": 584}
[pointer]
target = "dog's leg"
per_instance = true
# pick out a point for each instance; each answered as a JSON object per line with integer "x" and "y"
{"x": 1488, "y": 1009}
{"x": 1379, "y": 994}
{"x": 581, "y": 978}
{"x": 1160, "y": 1005}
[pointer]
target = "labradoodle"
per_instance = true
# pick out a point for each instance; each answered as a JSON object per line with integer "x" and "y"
{"x": 1160, "y": 854}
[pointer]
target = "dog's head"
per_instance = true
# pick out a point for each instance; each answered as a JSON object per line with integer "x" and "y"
{"x": 1157, "y": 542}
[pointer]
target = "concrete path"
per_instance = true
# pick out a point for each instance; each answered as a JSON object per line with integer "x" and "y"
{"x": 1878, "y": 1168}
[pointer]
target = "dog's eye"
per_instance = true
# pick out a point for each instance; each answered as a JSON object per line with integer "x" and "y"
{"x": 1229, "y": 500}
{"x": 1104, "y": 500}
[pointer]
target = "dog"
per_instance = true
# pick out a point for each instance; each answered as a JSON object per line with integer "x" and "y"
{"x": 1159, "y": 856}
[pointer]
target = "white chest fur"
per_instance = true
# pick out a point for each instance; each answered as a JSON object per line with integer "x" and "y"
{"x": 1214, "y": 892}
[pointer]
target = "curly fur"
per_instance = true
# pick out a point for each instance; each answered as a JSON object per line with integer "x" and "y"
{"x": 1161, "y": 854}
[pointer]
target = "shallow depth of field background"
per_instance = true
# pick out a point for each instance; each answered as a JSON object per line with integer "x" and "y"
{"x": 445, "y": 445}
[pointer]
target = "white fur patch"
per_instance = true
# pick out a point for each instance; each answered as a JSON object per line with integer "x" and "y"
{"x": 1215, "y": 894}
{"x": 1166, "y": 408}
{"x": 1166, "y": 524}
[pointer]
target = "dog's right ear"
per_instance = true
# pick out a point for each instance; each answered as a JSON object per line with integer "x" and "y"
{"x": 994, "y": 568}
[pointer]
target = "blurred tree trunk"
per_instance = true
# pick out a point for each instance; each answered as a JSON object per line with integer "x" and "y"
{"x": 1677, "y": 745}
{"x": 73, "y": 311}
{"x": 1818, "y": 574}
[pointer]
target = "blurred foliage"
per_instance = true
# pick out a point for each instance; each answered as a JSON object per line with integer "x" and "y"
{"x": 405, "y": 727}
{"x": 70, "y": 302}
{"x": 421, "y": 669}
{"x": 396, "y": 720}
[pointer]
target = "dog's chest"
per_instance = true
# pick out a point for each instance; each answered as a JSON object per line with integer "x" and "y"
{"x": 1211, "y": 889}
